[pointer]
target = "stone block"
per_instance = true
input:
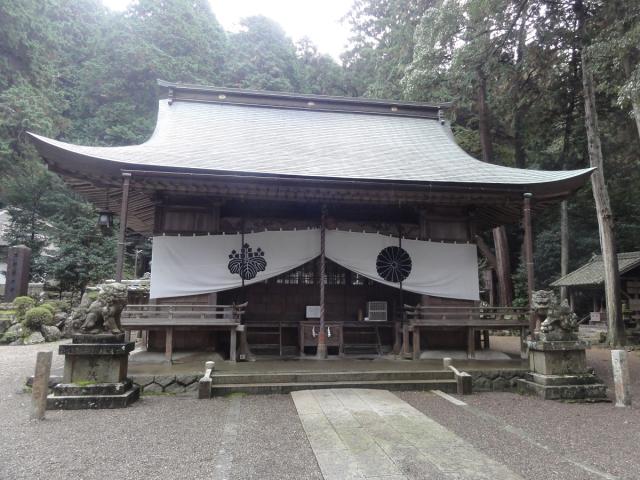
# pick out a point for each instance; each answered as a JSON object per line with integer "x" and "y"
{"x": 143, "y": 380}
{"x": 153, "y": 388}
{"x": 81, "y": 402}
{"x": 500, "y": 384}
{"x": 573, "y": 393}
{"x": 186, "y": 380}
{"x": 558, "y": 362}
{"x": 72, "y": 389}
{"x": 481, "y": 383}
{"x": 164, "y": 380}
{"x": 95, "y": 374}
{"x": 174, "y": 388}
{"x": 192, "y": 387}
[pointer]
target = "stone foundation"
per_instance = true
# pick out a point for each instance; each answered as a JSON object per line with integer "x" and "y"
{"x": 95, "y": 374}
{"x": 168, "y": 384}
{"x": 559, "y": 372}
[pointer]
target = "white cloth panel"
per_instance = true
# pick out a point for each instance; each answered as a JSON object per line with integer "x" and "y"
{"x": 439, "y": 269}
{"x": 197, "y": 265}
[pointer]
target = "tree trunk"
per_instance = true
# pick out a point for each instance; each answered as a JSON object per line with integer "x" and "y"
{"x": 616, "y": 335}
{"x": 484, "y": 125}
{"x": 518, "y": 83}
{"x": 567, "y": 146}
{"x": 503, "y": 270}
{"x": 564, "y": 245}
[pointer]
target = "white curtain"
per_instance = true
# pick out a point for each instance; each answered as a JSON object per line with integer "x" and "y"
{"x": 205, "y": 264}
{"x": 429, "y": 268}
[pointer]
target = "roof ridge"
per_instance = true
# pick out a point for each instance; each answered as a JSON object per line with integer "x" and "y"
{"x": 210, "y": 93}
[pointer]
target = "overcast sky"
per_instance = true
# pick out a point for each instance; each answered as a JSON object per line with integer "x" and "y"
{"x": 317, "y": 19}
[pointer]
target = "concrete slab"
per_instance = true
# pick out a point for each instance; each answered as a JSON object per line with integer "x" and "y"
{"x": 372, "y": 434}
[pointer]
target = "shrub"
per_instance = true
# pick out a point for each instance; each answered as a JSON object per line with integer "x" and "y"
{"x": 52, "y": 308}
{"x": 36, "y": 317}
{"x": 23, "y": 304}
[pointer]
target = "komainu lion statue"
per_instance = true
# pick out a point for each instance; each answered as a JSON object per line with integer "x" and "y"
{"x": 559, "y": 323}
{"x": 103, "y": 315}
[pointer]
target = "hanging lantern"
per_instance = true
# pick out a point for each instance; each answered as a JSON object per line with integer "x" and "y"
{"x": 105, "y": 219}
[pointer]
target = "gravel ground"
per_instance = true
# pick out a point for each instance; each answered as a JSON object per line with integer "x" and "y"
{"x": 549, "y": 440}
{"x": 159, "y": 437}
{"x": 260, "y": 437}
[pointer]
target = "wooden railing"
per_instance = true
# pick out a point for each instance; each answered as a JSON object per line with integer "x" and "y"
{"x": 469, "y": 318}
{"x": 145, "y": 316}
{"x": 168, "y": 318}
{"x": 478, "y": 317}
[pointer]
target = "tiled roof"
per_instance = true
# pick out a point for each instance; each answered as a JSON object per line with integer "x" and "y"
{"x": 285, "y": 141}
{"x": 592, "y": 273}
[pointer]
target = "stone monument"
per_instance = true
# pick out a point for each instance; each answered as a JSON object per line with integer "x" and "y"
{"x": 96, "y": 362}
{"x": 557, "y": 358}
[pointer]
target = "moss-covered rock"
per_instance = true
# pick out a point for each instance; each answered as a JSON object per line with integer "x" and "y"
{"x": 14, "y": 333}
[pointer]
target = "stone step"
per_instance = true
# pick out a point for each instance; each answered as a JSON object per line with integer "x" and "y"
{"x": 449, "y": 386}
{"x": 311, "y": 377}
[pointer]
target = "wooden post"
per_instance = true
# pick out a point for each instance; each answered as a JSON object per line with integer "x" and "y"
{"x": 322, "y": 338}
{"x": 528, "y": 255}
{"x": 124, "y": 211}
{"x": 471, "y": 342}
{"x": 232, "y": 344}
{"x": 416, "y": 342}
{"x": 168, "y": 344}
{"x": 405, "y": 340}
{"x": 40, "y": 387}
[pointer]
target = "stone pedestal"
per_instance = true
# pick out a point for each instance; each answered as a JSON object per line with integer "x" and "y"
{"x": 95, "y": 374}
{"x": 559, "y": 372}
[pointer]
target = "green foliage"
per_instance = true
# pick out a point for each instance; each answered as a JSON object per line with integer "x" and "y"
{"x": 84, "y": 254}
{"x": 36, "y": 317}
{"x": 52, "y": 308}
{"x": 262, "y": 57}
{"x": 22, "y": 304}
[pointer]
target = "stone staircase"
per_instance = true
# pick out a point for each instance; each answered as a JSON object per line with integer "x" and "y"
{"x": 265, "y": 383}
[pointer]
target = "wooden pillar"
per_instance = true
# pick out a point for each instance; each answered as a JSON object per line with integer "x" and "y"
{"x": 471, "y": 342}
{"x": 168, "y": 344}
{"x": 528, "y": 255}
{"x": 322, "y": 338}
{"x": 232, "y": 344}
{"x": 126, "y": 179}
{"x": 416, "y": 342}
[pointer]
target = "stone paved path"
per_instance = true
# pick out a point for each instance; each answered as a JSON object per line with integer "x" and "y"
{"x": 374, "y": 435}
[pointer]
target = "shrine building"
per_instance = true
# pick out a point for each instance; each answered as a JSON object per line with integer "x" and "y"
{"x": 307, "y": 225}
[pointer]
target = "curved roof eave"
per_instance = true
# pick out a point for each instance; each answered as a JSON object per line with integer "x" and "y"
{"x": 64, "y": 158}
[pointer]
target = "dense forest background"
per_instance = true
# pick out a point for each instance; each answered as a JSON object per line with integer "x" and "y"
{"x": 75, "y": 71}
